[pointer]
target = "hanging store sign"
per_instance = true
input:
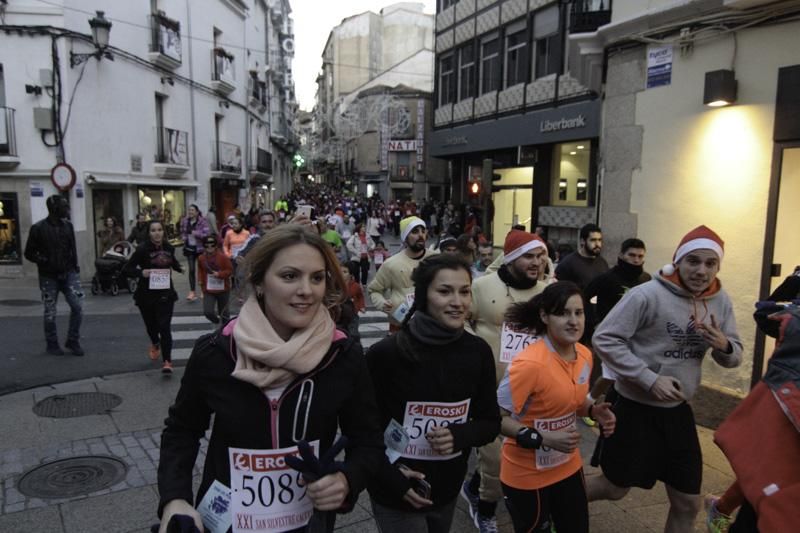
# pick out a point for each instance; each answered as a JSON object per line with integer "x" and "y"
{"x": 659, "y": 66}
{"x": 402, "y": 146}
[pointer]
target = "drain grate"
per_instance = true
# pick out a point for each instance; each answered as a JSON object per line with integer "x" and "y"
{"x": 76, "y": 476}
{"x": 77, "y": 404}
{"x": 20, "y": 303}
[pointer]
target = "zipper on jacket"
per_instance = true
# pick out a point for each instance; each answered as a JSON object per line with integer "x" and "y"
{"x": 275, "y": 405}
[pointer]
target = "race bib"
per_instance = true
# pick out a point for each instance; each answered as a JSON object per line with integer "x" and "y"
{"x": 397, "y": 213}
{"x": 215, "y": 508}
{"x": 159, "y": 278}
{"x": 266, "y": 493}
{"x": 215, "y": 284}
{"x": 512, "y": 342}
{"x": 421, "y": 417}
{"x": 548, "y": 457}
{"x": 404, "y": 307}
{"x": 378, "y": 259}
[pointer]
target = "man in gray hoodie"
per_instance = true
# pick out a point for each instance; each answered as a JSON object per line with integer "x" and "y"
{"x": 655, "y": 340}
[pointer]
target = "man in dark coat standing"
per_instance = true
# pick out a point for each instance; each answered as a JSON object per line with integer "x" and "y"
{"x": 51, "y": 245}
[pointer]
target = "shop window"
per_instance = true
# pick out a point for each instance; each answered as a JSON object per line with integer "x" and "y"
{"x": 10, "y": 251}
{"x": 166, "y": 205}
{"x": 572, "y": 162}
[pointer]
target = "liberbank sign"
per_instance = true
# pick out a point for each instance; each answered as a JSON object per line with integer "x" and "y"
{"x": 566, "y": 123}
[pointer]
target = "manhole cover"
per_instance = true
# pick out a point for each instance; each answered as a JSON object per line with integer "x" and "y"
{"x": 77, "y": 404}
{"x": 20, "y": 303}
{"x": 76, "y": 476}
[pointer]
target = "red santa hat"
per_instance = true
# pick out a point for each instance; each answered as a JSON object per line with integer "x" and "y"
{"x": 520, "y": 242}
{"x": 700, "y": 238}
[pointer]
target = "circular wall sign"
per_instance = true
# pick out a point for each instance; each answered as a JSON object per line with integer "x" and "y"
{"x": 63, "y": 177}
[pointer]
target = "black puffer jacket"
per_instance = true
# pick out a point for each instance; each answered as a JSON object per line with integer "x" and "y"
{"x": 337, "y": 393}
{"x": 51, "y": 245}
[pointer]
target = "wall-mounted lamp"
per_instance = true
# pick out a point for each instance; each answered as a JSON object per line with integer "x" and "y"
{"x": 101, "y": 29}
{"x": 33, "y": 89}
{"x": 167, "y": 79}
{"x": 720, "y": 88}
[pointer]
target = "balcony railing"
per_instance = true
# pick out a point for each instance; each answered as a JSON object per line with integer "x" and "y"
{"x": 588, "y": 15}
{"x": 8, "y": 135}
{"x": 222, "y": 66}
{"x": 165, "y": 41}
{"x": 8, "y": 139}
{"x": 172, "y": 147}
{"x": 258, "y": 92}
{"x": 227, "y": 157}
{"x": 260, "y": 161}
{"x": 401, "y": 173}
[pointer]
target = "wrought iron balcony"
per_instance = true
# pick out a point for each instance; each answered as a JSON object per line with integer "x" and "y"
{"x": 8, "y": 139}
{"x": 172, "y": 153}
{"x": 260, "y": 165}
{"x": 165, "y": 42}
{"x": 223, "y": 74}
{"x": 226, "y": 159}
{"x": 588, "y": 15}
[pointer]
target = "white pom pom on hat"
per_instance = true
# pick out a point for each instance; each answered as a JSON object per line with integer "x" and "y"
{"x": 700, "y": 238}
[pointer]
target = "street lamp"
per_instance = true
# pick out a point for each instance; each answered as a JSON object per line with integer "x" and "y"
{"x": 101, "y": 28}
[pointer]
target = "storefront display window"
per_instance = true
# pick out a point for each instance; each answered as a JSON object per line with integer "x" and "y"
{"x": 572, "y": 164}
{"x": 10, "y": 251}
{"x": 166, "y": 205}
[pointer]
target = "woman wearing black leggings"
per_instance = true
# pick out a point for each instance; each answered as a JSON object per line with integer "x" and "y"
{"x": 155, "y": 295}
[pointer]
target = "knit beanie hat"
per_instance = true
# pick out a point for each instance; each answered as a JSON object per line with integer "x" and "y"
{"x": 700, "y": 238}
{"x": 520, "y": 242}
{"x": 408, "y": 224}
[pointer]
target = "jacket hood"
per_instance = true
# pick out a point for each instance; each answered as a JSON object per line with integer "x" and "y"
{"x": 674, "y": 284}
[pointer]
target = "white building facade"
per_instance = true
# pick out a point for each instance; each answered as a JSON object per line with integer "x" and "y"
{"x": 188, "y": 104}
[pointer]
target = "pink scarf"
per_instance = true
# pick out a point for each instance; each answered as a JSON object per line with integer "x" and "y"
{"x": 265, "y": 360}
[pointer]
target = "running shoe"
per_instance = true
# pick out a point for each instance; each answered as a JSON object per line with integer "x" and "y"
{"x": 166, "y": 368}
{"x": 154, "y": 352}
{"x": 716, "y": 521}
{"x": 192, "y": 296}
{"x": 588, "y": 421}
{"x": 472, "y": 501}
{"x": 486, "y": 524}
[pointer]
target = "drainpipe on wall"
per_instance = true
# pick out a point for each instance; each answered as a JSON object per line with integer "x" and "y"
{"x": 191, "y": 98}
{"x": 246, "y": 151}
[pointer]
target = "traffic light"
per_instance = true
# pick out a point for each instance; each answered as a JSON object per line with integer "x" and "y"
{"x": 299, "y": 161}
{"x": 474, "y": 188}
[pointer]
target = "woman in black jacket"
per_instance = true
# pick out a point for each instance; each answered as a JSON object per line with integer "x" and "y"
{"x": 278, "y": 375}
{"x": 437, "y": 400}
{"x": 155, "y": 295}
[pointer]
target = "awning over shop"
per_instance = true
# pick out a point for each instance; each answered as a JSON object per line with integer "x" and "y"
{"x": 93, "y": 179}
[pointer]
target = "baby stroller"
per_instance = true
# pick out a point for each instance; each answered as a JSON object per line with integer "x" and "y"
{"x": 108, "y": 274}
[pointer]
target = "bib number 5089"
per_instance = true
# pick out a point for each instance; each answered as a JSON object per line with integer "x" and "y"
{"x": 266, "y": 492}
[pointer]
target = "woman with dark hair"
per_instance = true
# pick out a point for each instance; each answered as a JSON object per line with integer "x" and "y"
{"x": 194, "y": 229}
{"x": 155, "y": 295}
{"x": 278, "y": 377}
{"x": 109, "y": 235}
{"x": 436, "y": 394}
{"x": 360, "y": 246}
{"x": 543, "y": 391}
